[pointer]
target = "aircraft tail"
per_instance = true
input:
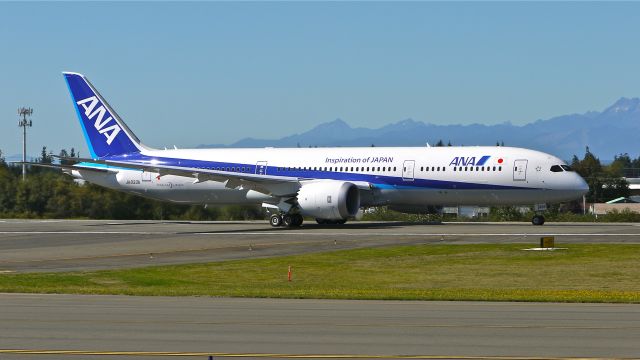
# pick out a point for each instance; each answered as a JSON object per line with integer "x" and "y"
{"x": 106, "y": 134}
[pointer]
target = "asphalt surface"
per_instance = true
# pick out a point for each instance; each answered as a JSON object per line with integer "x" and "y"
{"x": 36, "y": 326}
{"x": 66, "y": 245}
{"x": 312, "y": 328}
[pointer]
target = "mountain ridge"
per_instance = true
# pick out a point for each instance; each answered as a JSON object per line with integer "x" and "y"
{"x": 609, "y": 132}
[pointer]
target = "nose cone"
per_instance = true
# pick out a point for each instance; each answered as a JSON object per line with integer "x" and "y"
{"x": 581, "y": 186}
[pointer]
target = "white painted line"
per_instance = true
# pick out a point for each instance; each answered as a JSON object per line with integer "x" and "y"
{"x": 300, "y": 233}
{"x": 85, "y": 232}
{"x": 284, "y": 233}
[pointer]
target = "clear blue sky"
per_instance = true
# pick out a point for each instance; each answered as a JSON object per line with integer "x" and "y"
{"x": 194, "y": 73}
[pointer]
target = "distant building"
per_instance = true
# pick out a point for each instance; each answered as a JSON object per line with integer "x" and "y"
{"x": 467, "y": 211}
{"x": 631, "y": 203}
{"x": 634, "y": 185}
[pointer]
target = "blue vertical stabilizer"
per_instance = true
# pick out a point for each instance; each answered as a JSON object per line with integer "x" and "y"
{"x": 105, "y": 132}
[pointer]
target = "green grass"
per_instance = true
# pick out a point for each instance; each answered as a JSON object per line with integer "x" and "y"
{"x": 584, "y": 273}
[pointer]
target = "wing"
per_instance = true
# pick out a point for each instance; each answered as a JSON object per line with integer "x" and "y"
{"x": 272, "y": 185}
{"x": 65, "y": 167}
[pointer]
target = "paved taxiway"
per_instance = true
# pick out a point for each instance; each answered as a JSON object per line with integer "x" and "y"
{"x": 64, "y": 245}
{"x": 103, "y": 324}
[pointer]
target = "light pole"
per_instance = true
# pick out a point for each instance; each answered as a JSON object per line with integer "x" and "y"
{"x": 23, "y": 123}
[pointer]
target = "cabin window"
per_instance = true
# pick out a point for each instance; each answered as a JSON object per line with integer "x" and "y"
{"x": 394, "y": 168}
{"x": 499, "y": 168}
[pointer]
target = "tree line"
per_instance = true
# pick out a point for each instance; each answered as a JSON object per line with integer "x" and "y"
{"x": 48, "y": 193}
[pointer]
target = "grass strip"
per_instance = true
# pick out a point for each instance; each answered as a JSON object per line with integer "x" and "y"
{"x": 492, "y": 272}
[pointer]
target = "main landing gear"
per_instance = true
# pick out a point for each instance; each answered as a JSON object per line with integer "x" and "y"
{"x": 537, "y": 220}
{"x": 288, "y": 220}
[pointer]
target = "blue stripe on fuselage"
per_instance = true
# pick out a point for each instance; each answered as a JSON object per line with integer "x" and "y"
{"x": 384, "y": 181}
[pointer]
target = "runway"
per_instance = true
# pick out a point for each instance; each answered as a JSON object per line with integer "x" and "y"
{"x": 68, "y": 245}
{"x": 124, "y": 327}
{"x": 313, "y": 328}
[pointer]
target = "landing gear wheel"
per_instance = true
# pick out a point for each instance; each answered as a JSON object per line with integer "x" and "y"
{"x": 287, "y": 220}
{"x": 321, "y": 221}
{"x": 537, "y": 220}
{"x": 297, "y": 220}
{"x": 275, "y": 220}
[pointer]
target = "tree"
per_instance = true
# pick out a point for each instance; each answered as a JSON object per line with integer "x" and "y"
{"x": 64, "y": 154}
{"x": 588, "y": 166}
{"x": 45, "y": 158}
{"x": 605, "y": 183}
{"x": 440, "y": 143}
{"x": 619, "y": 164}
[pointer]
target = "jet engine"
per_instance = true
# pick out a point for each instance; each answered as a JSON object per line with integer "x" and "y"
{"x": 329, "y": 199}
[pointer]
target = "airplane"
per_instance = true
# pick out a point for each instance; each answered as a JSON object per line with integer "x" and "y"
{"x": 329, "y": 184}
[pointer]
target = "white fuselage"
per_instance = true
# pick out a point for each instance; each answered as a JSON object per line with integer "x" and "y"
{"x": 401, "y": 176}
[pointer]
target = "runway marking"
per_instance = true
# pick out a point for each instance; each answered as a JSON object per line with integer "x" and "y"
{"x": 299, "y": 233}
{"x": 411, "y": 234}
{"x": 86, "y": 232}
{"x": 282, "y": 356}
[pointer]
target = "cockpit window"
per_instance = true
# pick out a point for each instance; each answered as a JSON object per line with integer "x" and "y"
{"x": 566, "y": 167}
{"x": 556, "y": 168}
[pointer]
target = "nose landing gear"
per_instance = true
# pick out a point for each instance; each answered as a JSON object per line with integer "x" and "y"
{"x": 537, "y": 220}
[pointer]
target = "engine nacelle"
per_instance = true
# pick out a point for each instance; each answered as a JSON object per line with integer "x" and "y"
{"x": 329, "y": 199}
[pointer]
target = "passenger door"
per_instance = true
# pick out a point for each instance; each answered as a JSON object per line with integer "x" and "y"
{"x": 520, "y": 170}
{"x": 407, "y": 170}
{"x": 261, "y": 168}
